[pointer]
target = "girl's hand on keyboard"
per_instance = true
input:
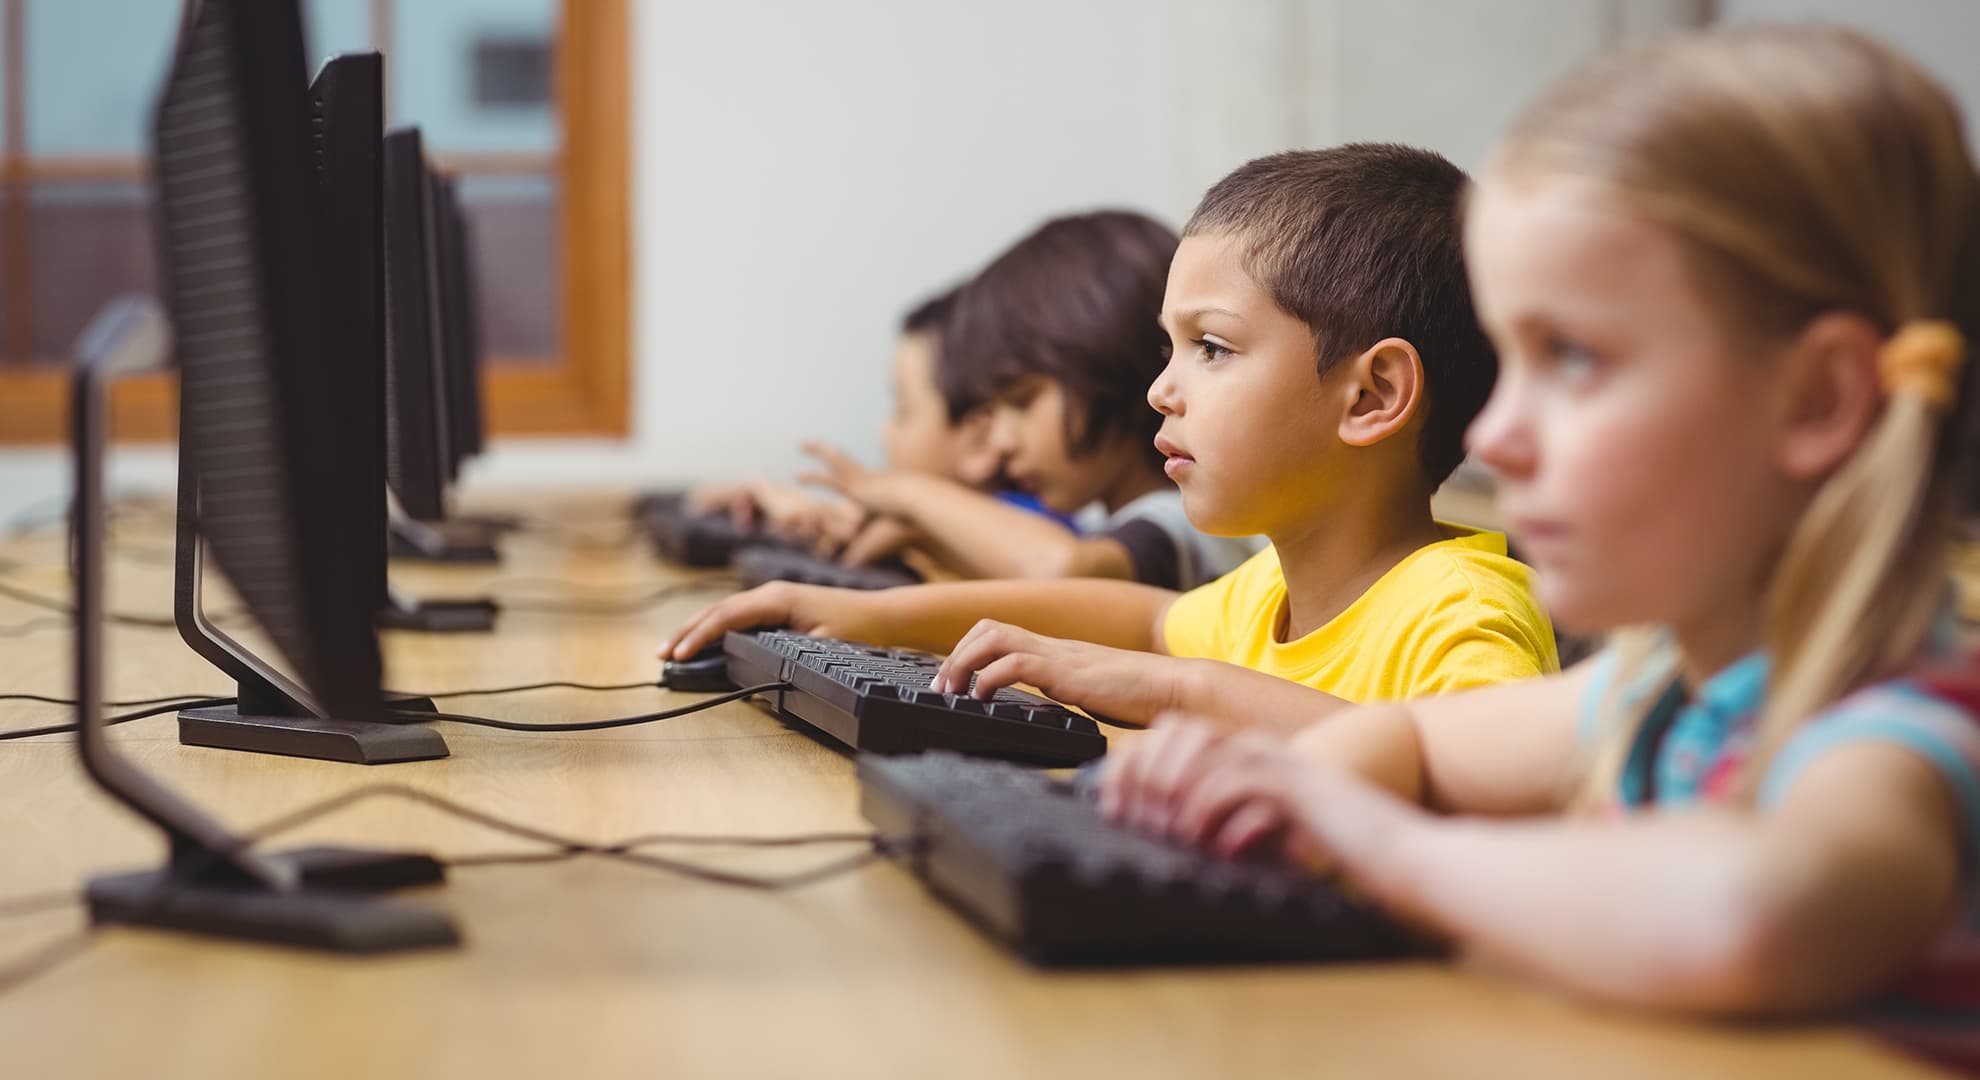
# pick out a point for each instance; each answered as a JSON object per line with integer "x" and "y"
{"x": 1123, "y": 685}
{"x": 808, "y": 609}
{"x": 1250, "y": 793}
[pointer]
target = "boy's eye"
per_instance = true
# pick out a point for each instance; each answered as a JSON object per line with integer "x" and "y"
{"x": 1210, "y": 350}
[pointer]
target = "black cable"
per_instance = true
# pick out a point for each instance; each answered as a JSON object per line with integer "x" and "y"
{"x": 658, "y": 839}
{"x": 46, "y": 958}
{"x": 599, "y": 725}
{"x": 650, "y": 684}
{"x": 880, "y": 847}
{"x": 63, "y": 607}
{"x": 121, "y": 718}
{"x": 36, "y": 903}
{"x": 46, "y": 700}
{"x": 200, "y": 701}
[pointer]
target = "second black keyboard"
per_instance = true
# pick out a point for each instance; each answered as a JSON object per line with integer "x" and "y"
{"x": 1028, "y": 858}
{"x": 878, "y": 700}
{"x": 691, "y": 537}
{"x": 756, "y": 564}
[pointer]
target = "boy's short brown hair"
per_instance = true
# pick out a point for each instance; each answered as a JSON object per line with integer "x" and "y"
{"x": 1077, "y": 301}
{"x": 1364, "y": 242}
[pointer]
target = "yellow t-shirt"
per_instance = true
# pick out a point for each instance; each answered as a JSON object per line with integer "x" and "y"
{"x": 1454, "y": 614}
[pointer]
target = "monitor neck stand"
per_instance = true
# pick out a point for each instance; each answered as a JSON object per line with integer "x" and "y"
{"x": 214, "y": 881}
{"x": 445, "y": 542}
{"x": 273, "y": 714}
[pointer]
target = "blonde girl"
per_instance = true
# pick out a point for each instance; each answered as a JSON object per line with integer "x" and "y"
{"x": 1731, "y": 277}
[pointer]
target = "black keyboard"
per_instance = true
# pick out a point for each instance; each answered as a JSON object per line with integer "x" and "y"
{"x": 877, "y": 700}
{"x": 1028, "y": 858}
{"x": 757, "y": 564}
{"x": 688, "y": 536}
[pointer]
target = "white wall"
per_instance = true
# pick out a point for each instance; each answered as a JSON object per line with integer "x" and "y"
{"x": 805, "y": 170}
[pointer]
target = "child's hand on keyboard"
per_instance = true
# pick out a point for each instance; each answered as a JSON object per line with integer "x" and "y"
{"x": 1251, "y": 793}
{"x": 808, "y": 609}
{"x": 1120, "y": 684}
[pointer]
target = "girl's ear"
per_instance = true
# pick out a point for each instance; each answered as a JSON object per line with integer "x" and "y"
{"x": 1830, "y": 394}
{"x": 1384, "y": 386}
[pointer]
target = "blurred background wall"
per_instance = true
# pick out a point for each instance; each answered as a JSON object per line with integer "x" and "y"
{"x": 801, "y": 172}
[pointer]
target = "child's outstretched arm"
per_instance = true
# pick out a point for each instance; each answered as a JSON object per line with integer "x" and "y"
{"x": 1814, "y": 902}
{"x": 933, "y": 617}
{"x": 1502, "y": 750}
{"x": 1126, "y": 685}
{"x": 975, "y": 534}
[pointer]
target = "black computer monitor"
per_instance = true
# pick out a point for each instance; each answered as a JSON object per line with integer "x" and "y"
{"x": 461, "y": 336}
{"x": 347, "y": 131}
{"x": 280, "y": 420}
{"x": 347, "y": 102}
{"x": 417, "y": 458}
{"x": 264, "y": 488}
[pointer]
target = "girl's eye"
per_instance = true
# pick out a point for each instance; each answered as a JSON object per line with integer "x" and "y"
{"x": 1570, "y": 359}
{"x": 1210, "y": 350}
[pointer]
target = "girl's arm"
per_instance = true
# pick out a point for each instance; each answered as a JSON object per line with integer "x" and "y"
{"x": 1507, "y": 749}
{"x": 1820, "y": 900}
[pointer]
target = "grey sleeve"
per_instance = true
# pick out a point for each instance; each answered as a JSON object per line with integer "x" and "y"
{"x": 1151, "y": 550}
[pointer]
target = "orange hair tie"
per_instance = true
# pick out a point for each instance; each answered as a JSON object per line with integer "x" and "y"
{"x": 1923, "y": 359}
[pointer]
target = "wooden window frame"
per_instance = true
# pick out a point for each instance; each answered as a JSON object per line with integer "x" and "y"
{"x": 584, "y": 392}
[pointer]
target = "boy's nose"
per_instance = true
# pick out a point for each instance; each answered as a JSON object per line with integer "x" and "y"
{"x": 1002, "y": 438}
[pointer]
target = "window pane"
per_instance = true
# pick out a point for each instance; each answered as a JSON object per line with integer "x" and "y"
{"x": 475, "y": 74}
{"x": 512, "y": 223}
{"x": 93, "y": 70}
{"x": 88, "y": 243}
{"x": 335, "y": 26}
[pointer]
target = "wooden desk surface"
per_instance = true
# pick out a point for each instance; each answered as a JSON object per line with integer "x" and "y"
{"x": 588, "y": 968}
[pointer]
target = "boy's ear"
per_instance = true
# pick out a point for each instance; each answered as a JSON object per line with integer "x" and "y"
{"x": 1384, "y": 384}
{"x": 1830, "y": 393}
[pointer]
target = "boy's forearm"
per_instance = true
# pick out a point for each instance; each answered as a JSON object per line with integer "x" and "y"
{"x": 1120, "y": 614}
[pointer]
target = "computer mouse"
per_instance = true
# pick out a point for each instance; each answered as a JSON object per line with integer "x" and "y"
{"x": 706, "y": 671}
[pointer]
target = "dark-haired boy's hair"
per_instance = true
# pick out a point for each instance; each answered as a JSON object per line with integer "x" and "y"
{"x": 931, "y": 314}
{"x": 1076, "y": 301}
{"x": 1364, "y": 242}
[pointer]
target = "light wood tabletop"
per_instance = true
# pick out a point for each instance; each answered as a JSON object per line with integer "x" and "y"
{"x": 597, "y": 969}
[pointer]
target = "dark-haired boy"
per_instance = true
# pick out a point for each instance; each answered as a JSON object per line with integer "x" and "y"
{"x": 1058, "y": 338}
{"x": 1325, "y": 363}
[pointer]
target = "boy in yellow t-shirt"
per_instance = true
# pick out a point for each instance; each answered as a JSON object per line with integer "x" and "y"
{"x": 1453, "y": 614}
{"x": 1324, "y": 364}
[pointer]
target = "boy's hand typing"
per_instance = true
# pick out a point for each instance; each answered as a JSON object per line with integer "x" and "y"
{"x": 808, "y": 609}
{"x": 1122, "y": 684}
